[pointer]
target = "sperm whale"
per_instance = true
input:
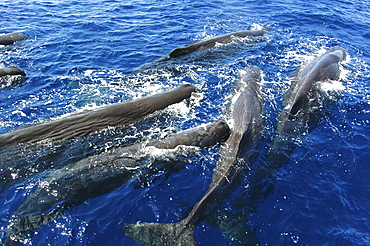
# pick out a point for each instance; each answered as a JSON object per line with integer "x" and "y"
{"x": 11, "y": 38}
{"x": 235, "y": 156}
{"x": 100, "y": 174}
{"x": 80, "y": 125}
{"x": 211, "y": 42}
{"x": 305, "y": 105}
{"x": 11, "y": 70}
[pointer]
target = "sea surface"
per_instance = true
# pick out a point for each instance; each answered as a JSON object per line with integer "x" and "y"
{"x": 81, "y": 55}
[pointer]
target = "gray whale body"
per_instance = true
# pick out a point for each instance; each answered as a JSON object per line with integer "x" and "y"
{"x": 210, "y": 43}
{"x": 80, "y": 125}
{"x": 236, "y": 154}
{"x": 201, "y": 136}
{"x": 11, "y": 70}
{"x": 11, "y": 38}
{"x": 100, "y": 174}
{"x": 305, "y": 106}
{"x": 304, "y": 100}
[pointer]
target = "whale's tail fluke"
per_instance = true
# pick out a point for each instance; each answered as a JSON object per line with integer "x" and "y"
{"x": 157, "y": 234}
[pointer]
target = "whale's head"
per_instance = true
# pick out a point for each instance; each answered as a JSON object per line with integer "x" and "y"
{"x": 339, "y": 52}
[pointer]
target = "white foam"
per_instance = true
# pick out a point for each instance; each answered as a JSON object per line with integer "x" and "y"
{"x": 256, "y": 26}
{"x": 332, "y": 86}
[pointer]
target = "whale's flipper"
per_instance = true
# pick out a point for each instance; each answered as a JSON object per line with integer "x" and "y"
{"x": 157, "y": 234}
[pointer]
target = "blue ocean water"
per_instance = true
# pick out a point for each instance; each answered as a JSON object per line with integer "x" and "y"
{"x": 84, "y": 54}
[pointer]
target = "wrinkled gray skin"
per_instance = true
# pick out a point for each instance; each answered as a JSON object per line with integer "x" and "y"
{"x": 323, "y": 68}
{"x": 305, "y": 106}
{"x": 210, "y": 43}
{"x": 100, "y": 174}
{"x": 11, "y": 70}
{"x": 80, "y": 125}
{"x": 11, "y": 38}
{"x": 202, "y": 136}
{"x": 235, "y": 156}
